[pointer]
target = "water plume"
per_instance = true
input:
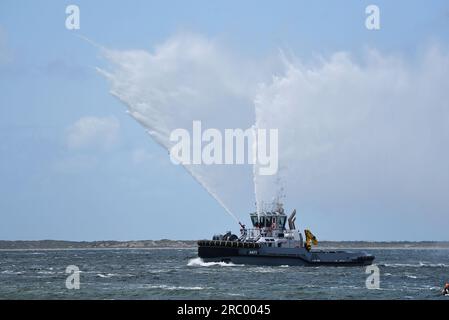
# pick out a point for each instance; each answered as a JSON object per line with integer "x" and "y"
{"x": 187, "y": 78}
{"x": 357, "y": 136}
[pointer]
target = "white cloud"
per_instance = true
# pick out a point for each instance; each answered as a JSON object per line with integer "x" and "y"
{"x": 93, "y": 133}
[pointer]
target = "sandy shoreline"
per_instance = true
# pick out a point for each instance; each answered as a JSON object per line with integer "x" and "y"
{"x": 7, "y": 245}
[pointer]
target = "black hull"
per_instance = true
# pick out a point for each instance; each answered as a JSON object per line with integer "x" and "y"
{"x": 259, "y": 257}
{"x": 281, "y": 261}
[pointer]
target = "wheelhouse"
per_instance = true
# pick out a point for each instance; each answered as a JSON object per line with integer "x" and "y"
{"x": 273, "y": 220}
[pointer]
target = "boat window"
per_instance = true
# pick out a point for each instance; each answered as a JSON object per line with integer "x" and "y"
{"x": 254, "y": 220}
{"x": 268, "y": 222}
{"x": 262, "y": 221}
{"x": 282, "y": 222}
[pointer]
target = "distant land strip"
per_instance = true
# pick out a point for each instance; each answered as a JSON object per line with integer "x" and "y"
{"x": 166, "y": 243}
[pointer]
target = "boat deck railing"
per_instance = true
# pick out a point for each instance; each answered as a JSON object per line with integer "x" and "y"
{"x": 263, "y": 232}
{"x": 229, "y": 244}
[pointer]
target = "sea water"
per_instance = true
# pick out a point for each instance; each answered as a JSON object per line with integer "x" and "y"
{"x": 180, "y": 274}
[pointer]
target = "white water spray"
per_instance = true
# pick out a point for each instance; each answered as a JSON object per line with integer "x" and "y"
{"x": 186, "y": 79}
{"x": 347, "y": 130}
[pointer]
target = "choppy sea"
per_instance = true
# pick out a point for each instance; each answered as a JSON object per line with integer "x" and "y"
{"x": 179, "y": 274}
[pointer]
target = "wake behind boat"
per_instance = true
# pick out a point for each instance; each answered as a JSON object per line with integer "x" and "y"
{"x": 269, "y": 242}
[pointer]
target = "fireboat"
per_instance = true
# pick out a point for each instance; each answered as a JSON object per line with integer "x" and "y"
{"x": 269, "y": 242}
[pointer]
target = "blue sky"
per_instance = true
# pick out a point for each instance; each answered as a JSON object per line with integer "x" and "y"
{"x": 127, "y": 188}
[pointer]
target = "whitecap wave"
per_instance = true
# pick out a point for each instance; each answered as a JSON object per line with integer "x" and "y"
{"x": 419, "y": 265}
{"x": 12, "y": 272}
{"x": 108, "y": 275}
{"x": 46, "y": 272}
{"x": 198, "y": 262}
{"x": 264, "y": 270}
{"x": 166, "y": 287}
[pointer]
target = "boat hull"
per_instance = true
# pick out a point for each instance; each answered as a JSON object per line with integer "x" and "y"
{"x": 230, "y": 252}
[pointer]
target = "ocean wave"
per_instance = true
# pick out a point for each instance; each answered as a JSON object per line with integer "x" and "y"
{"x": 159, "y": 271}
{"x": 46, "y": 272}
{"x": 108, "y": 275}
{"x": 434, "y": 288}
{"x": 343, "y": 287}
{"x": 264, "y": 270}
{"x": 167, "y": 287}
{"x": 419, "y": 265}
{"x": 12, "y": 272}
{"x": 198, "y": 262}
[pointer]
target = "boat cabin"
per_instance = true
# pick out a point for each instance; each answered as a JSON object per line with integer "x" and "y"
{"x": 272, "y": 220}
